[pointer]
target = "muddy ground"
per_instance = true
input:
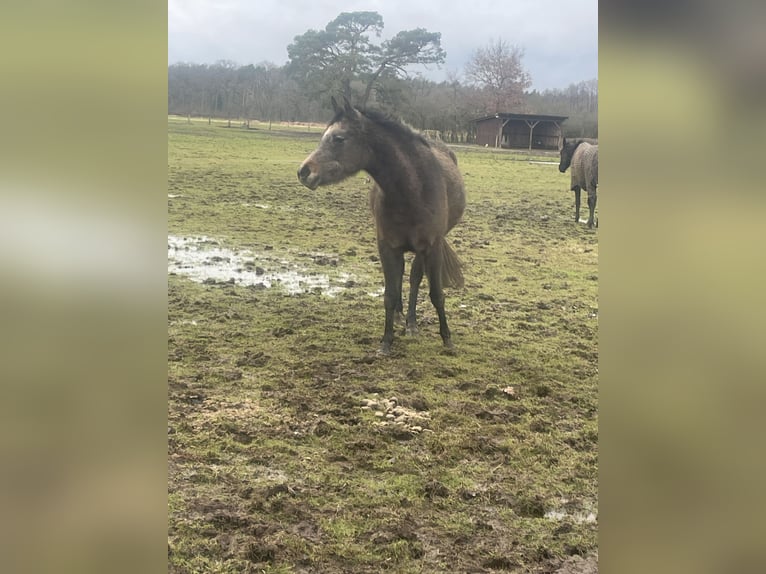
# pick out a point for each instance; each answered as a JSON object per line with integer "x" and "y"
{"x": 294, "y": 447}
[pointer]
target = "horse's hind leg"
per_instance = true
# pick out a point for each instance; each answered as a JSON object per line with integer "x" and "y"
{"x": 591, "y": 207}
{"x": 416, "y": 276}
{"x": 392, "y": 261}
{"x": 576, "y": 190}
{"x": 399, "y": 315}
{"x": 433, "y": 265}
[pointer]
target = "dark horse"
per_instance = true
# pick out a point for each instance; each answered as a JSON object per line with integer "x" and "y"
{"x": 417, "y": 198}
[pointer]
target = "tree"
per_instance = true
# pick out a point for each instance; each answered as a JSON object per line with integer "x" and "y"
{"x": 579, "y": 102}
{"x": 265, "y": 91}
{"x": 497, "y": 70}
{"x": 330, "y": 60}
{"x": 418, "y": 46}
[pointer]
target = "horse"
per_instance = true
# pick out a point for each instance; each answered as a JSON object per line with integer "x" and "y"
{"x": 417, "y": 198}
{"x": 583, "y": 157}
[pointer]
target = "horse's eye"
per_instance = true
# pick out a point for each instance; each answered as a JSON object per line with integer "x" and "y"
{"x": 338, "y": 138}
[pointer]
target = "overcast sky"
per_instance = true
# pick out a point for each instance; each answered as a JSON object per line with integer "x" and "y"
{"x": 559, "y": 37}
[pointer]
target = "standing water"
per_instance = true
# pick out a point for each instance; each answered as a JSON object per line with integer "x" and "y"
{"x": 205, "y": 260}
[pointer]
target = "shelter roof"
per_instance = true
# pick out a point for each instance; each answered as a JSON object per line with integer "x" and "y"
{"x": 530, "y": 117}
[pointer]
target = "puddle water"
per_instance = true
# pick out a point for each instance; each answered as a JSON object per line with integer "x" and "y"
{"x": 205, "y": 260}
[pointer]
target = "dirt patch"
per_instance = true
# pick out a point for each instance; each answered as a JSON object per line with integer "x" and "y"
{"x": 579, "y": 565}
{"x": 402, "y": 421}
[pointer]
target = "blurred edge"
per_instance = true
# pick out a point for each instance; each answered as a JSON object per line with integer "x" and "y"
{"x": 82, "y": 209}
{"x": 82, "y": 236}
{"x": 683, "y": 271}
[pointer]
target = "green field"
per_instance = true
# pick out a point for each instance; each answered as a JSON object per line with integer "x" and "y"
{"x": 294, "y": 447}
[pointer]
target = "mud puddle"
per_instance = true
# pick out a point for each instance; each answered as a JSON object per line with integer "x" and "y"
{"x": 205, "y": 260}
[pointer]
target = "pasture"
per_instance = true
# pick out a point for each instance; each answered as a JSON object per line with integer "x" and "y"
{"x": 294, "y": 447}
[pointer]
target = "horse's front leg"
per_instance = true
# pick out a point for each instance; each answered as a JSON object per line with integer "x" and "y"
{"x": 392, "y": 261}
{"x": 416, "y": 276}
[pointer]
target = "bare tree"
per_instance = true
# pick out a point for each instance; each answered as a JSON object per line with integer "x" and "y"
{"x": 497, "y": 70}
{"x": 267, "y": 92}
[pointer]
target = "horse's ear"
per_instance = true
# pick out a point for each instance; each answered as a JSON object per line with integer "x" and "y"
{"x": 563, "y": 142}
{"x": 335, "y": 106}
{"x": 348, "y": 107}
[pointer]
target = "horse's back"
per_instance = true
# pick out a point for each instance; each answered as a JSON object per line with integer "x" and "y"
{"x": 440, "y": 147}
{"x": 590, "y": 160}
{"x": 585, "y": 166}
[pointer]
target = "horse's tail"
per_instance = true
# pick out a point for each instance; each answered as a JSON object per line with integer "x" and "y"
{"x": 452, "y": 272}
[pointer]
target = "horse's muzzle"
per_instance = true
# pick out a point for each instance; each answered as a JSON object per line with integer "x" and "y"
{"x": 307, "y": 178}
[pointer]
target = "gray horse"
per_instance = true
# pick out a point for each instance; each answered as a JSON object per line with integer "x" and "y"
{"x": 583, "y": 158}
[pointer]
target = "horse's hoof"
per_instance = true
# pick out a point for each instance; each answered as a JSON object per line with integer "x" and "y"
{"x": 384, "y": 350}
{"x": 411, "y": 330}
{"x": 449, "y": 348}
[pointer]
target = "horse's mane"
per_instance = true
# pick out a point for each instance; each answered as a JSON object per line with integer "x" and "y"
{"x": 393, "y": 125}
{"x": 388, "y": 123}
{"x": 578, "y": 141}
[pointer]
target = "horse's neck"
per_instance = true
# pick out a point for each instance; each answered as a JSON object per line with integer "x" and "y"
{"x": 394, "y": 172}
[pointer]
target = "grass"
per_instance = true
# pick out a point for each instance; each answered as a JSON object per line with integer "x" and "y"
{"x": 275, "y": 464}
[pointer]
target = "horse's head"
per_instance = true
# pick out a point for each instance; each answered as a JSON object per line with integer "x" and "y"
{"x": 342, "y": 150}
{"x": 567, "y": 151}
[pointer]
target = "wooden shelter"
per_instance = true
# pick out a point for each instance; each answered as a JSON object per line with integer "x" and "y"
{"x": 520, "y": 131}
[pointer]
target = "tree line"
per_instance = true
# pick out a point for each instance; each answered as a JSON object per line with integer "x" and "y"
{"x": 344, "y": 59}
